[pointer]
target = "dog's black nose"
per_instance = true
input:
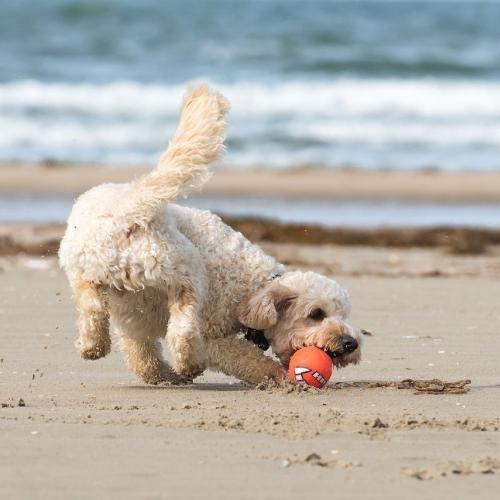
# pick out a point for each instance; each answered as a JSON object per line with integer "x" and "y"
{"x": 349, "y": 344}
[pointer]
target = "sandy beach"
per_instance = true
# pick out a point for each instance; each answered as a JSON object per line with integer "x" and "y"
{"x": 430, "y": 296}
{"x": 306, "y": 182}
{"x": 82, "y": 429}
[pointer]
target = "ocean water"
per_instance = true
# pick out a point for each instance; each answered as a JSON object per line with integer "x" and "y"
{"x": 328, "y": 213}
{"x": 375, "y": 84}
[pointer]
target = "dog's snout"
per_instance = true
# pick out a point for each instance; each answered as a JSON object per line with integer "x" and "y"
{"x": 349, "y": 344}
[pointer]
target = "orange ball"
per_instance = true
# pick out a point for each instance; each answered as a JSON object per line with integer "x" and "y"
{"x": 310, "y": 365}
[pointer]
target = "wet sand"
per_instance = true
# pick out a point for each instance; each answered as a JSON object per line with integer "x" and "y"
{"x": 89, "y": 429}
{"x": 307, "y": 182}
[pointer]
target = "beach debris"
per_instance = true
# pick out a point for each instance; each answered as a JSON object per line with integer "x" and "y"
{"x": 456, "y": 240}
{"x": 435, "y": 386}
{"x": 486, "y": 465}
{"x": 431, "y": 386}
{"x": 378, "y": 424}
{"x": 285, "y": 463}
{"x": 20, "y": 403}
{"x": 316, "y": 460}
{"x": 43, "y": 239}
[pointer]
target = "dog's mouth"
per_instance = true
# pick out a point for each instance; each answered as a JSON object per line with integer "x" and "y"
{"x": 339, "y": 357}
{"x": 342, "y": 357}
{"x": 341, "y": 351}
{"x": 335, "y": 354}
{"x": 344, "y": 346}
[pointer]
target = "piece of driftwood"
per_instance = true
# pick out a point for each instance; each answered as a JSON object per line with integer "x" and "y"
{"x": 432, "y": 386}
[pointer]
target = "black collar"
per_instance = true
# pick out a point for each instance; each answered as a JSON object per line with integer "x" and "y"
{"x": 255, "y": 336}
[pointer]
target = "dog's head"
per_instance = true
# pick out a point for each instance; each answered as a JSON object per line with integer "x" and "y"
{"x": 300, "y": 309}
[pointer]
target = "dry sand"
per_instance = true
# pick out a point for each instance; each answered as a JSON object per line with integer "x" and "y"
{"x": 307, "y": 182}
{"x": 90, "y": 430}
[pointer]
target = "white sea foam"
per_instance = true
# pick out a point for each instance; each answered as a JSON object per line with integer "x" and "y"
{"x": 425, "y": 98}
{"x": 389, "y": 122}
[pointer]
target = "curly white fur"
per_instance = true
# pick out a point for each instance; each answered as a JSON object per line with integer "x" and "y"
{"x": 152, "y": 269}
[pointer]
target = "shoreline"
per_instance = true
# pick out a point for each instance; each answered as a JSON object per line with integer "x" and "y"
{"x": 306, "y": 182}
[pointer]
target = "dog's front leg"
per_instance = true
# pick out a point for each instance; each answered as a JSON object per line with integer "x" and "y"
{"x": 243, "y": 360}
{"x": 183, "y": 336}
{"x": 94, "y": 341}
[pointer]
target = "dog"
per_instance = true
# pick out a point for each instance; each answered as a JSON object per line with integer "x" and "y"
{"x": 148, "y": 268}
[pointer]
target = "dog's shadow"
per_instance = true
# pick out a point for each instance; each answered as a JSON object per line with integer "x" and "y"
{"x": 201, "y": 386}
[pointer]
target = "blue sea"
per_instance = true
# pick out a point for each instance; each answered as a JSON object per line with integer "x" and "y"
{"x": 366, "y": 84}
{"x": 371, "y": 84}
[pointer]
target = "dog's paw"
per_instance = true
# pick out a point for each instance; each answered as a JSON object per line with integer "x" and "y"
{"x": 178, "y": 380}
{"x": 165, "y": 377}
{"x": 164, "y": 380}
{"x": 159, "y": 373}
{"x": 95, "y": 351}
{"x": 187, "y": 368}
{"x": 276, "y": 378}
{"x": 186, "y": 374}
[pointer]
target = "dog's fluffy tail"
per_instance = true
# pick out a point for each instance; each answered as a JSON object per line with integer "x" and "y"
{"x": 199, "y": 140}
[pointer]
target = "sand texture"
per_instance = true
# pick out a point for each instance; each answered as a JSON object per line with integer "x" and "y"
{"x": 78, "y": 429}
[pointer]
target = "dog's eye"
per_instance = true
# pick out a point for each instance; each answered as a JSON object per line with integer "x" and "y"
{"x": 317, "y": 315}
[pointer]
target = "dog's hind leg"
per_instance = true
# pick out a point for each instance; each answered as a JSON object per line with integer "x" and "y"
{"x": 144, "y": 358}
{"x": 94, "y": 341}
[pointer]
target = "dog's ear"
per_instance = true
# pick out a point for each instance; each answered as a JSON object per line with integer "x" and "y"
{"x": 263, "y": 309}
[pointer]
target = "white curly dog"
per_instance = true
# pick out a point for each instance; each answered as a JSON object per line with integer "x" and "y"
{"x": 152, "y": 269}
